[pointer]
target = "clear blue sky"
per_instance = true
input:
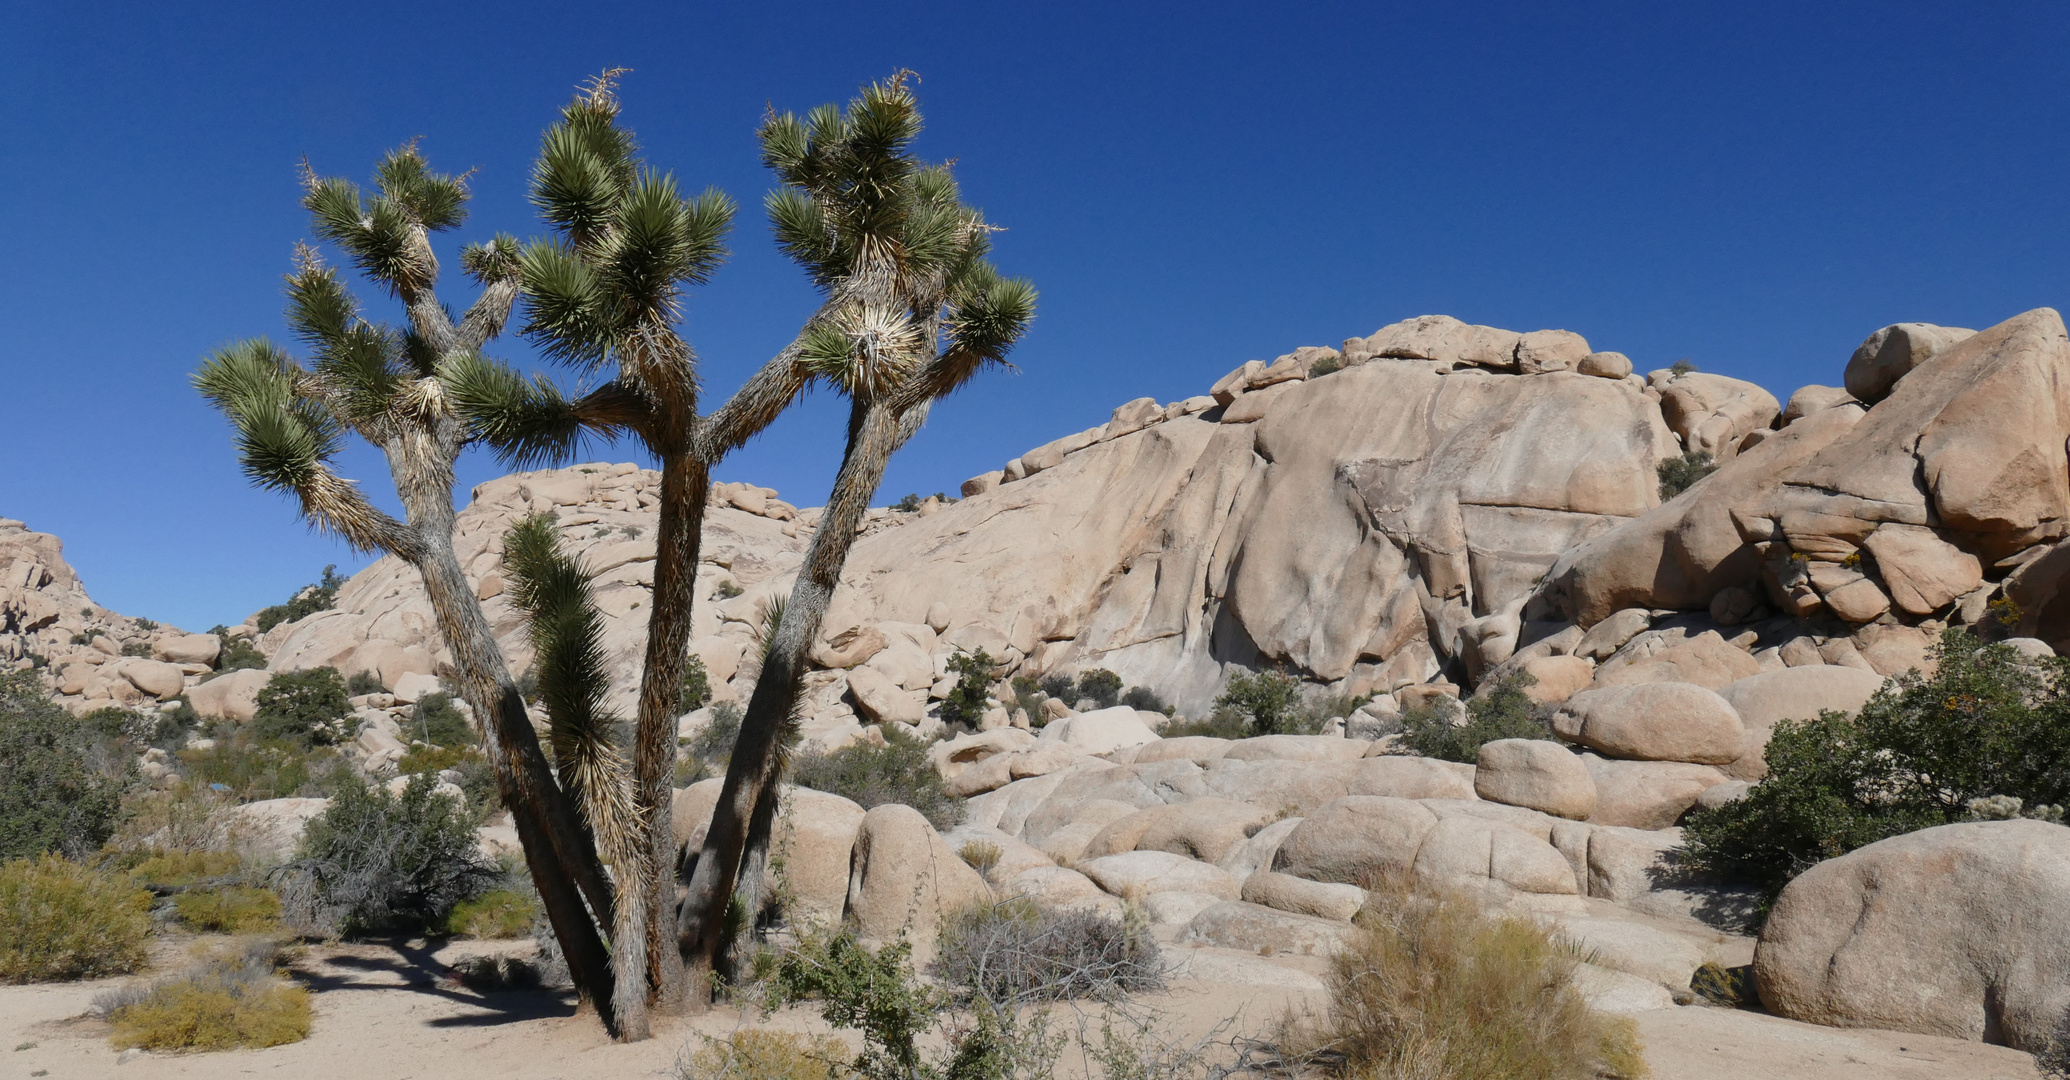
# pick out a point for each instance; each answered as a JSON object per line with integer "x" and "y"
{"x": 1753, "y": 186}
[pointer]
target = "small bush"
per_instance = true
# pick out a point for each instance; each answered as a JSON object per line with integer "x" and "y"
{"x": 1432, "y": 987}
{"x": 305, "y": 708}
{"x": 879, "y": 994}
{"x": 1990, "y": 722}
{"x": 981, "y": 856}
{"x": 1325, "y": 366}
{"x": 428, "y": 759}
{"x": 179, "y": 868}
{"x": 1270, "y": 699}
{"x": 247, "y": 769}
{"x": 238, "y": 654}
{"x": 1102, "y": 686}
{"x": 61, "y": 920}
{"x": 728, "y": 589}
{"x": 697, "y": 685}
{"x": 225, "y": 1003}
{"x": 363, "y": 683}
{"x": 140, "y": 649}
{"x": 375, "y": 861}
{"x": 974, "y": 672}
{"x": 59, "y": 789}
{"x": 760, "y": 1054}
{"x": 1144, "y": 699}
{"x": 1678, "y": 475}
{"x": 307, "y": 601}
{"x": 897, "y": 772}
{"x": 1504, "y": 712}
{"x": 1058, "y": 686}
{"x": 1220, "y": 724}
{"x": 232, "y": 909}
{"x": 1012, "y": 953}
{"x": 498, "y": 913}
{"x": 436, "y": 720}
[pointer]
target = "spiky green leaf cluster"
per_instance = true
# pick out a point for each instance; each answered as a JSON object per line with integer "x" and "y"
{"x": 384, "y": 231}
{"x": 609, "y": 287}
{"x": 891, "y": 237}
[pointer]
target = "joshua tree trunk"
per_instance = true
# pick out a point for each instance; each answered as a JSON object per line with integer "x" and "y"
{"x": 558, "y": 851}
{"x": 751, "y": 774}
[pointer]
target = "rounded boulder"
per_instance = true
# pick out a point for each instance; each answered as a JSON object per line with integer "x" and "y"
{"x": 1535, "y": 773}
{"x": 1665, "y": 721}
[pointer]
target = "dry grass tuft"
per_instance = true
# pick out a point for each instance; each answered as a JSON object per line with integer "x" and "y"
{"x": 61, "y": 920}
{"x": 230, "y": 1000}
{"x": 760, "y": 1054}
{"x": 232, "y": 909}
{"x": 498, "y": 913}
{"x": 1013, "y": 953}
{"x": 1433, "y": 988}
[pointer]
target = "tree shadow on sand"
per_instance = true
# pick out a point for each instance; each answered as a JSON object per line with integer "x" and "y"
{"x": 500, "y": 991}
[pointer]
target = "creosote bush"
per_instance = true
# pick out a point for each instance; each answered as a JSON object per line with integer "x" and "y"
{"x": 1270, "y": 699}
{"x": 362, "y": 683}
{"x": 1504, "y": 712}
{"x": 1103, "y": 687}
{"x": 305, "y": 708}
{"x": 897, "y": 772}
{"x": 59, "y": 789}
{"x": 1432, "y": 988}
{"x": 1678, "y": 475}
{"x": 1989, "y": 722}
{"x": 62, "y": 920}
{"x": 375, "y": 861}
{"x": 761, "y": 1054}
{"x": 234, "y": 999}
{"x": 974, "y": 672}
{"x": 229, "y": 909}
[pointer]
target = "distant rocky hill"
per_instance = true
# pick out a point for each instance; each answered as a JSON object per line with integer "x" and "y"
{"x": 1420, "y": 506}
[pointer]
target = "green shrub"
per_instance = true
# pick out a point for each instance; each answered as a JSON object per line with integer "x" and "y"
{"x": 974, "y": 672}
{"x": 428, "y": 759}
{"x": 363, "y": 683}
{"x": 1989, "y": 722}
{"x": 248, "y": 769}
{"x": 376, "y": 861}
{"x": 1503, "y": 712}
{"x": 1325, "y": 366}
{"x": 1058, "y": 686}
{"x": 436, "y": 720}
{"x": 498, "y": 913}
{"x": 1430, "y": 986}
{"x": 138, "y": 649}
{"x": 1102, "y": 686}
{"x": 871, "y": 775}
{"x": 52, "y": 795}
{"x": 307, "y": 601}
{"x": 1271, "y": 699}
{"x": 1679, "y": 474}
{"x": 61, "y": 920}
{"x": 1146, "y": 700}
{"x": 230, "y": 1001}
{"x": 230, "y": 909}
{"x": 879, "y": 994}
{"x": 237, "y": 654}
{"x": 1220, "y": 724}
{"x": 307, "y": 708}
{"x": 176, "y": 868}
{"x": 697, "y": 685}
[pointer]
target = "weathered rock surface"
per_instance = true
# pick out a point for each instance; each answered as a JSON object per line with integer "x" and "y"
{"x": 1958, "y": 930}
{"x": 905, "y": 876}
{"x": 1661, "y": 721}
{"x": 1535, "y": 773}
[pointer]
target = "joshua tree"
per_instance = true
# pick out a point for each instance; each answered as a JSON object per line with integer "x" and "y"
{"x": 391, "y": 387}
{"x": 605, "y": 295}
{"x": 913, "y": 310}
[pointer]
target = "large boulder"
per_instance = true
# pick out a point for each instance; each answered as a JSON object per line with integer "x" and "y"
{"x": 1324, "y": 900}
{"x": 233, "y": 695}
{"x": 1891, "y": 353}
{"x": 1706, "y": 660}
{"x": 1535, "y": 773}
{"x": 1255, "y": 928}
{"x": 1665, "y": 721}
{"x": 154, "y": 677}
{"x": 1356, "y": 840}
{"x": 1099, "y": 732}
{"x": 1791, "y": 693}
{"x": 1712, "y": 413}
{"x": 1921, "y": 571}
{"x": 903, "y": 876}
{"x": 187, "y": 648}
{"x": 1204, "y": 829}
{"x": 1140, "y": 873}
{"x": 1961, "y": 930}
{"x": 1646, "y": 794}
{"x": 815, "y": 835}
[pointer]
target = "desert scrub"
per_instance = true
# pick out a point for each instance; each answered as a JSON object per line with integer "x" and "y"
{"x": 1504, "y": 712}
{"x": 435, "y": 719}
{"x": 1269, "y": 700}
{"x": 871, "y": 775}
{"x": 248, "y": 768}
{"x": 377, "y": 861}
{"x": 1679, "y": 474}
{"x": 304, "y": 708}
{"x": 234, "y": 999}
{"x": 879, "y": 994}
{"x": 761, "y": 1054}
{"x": 1990, "y": 722}
{"x": 228, "y": 909}
{"x": 498, "y": 913}
{"x": 61, "y": 920}
{"x": 975, "y": 672}
{"x": 58, "y": 792}
{"x": 1013, "y": 953}
{"x": 1431, "y": 986}
{"x": 307, "y": 601}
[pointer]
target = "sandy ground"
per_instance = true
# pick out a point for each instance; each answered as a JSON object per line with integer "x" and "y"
{"x": 388, "y": 1012}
